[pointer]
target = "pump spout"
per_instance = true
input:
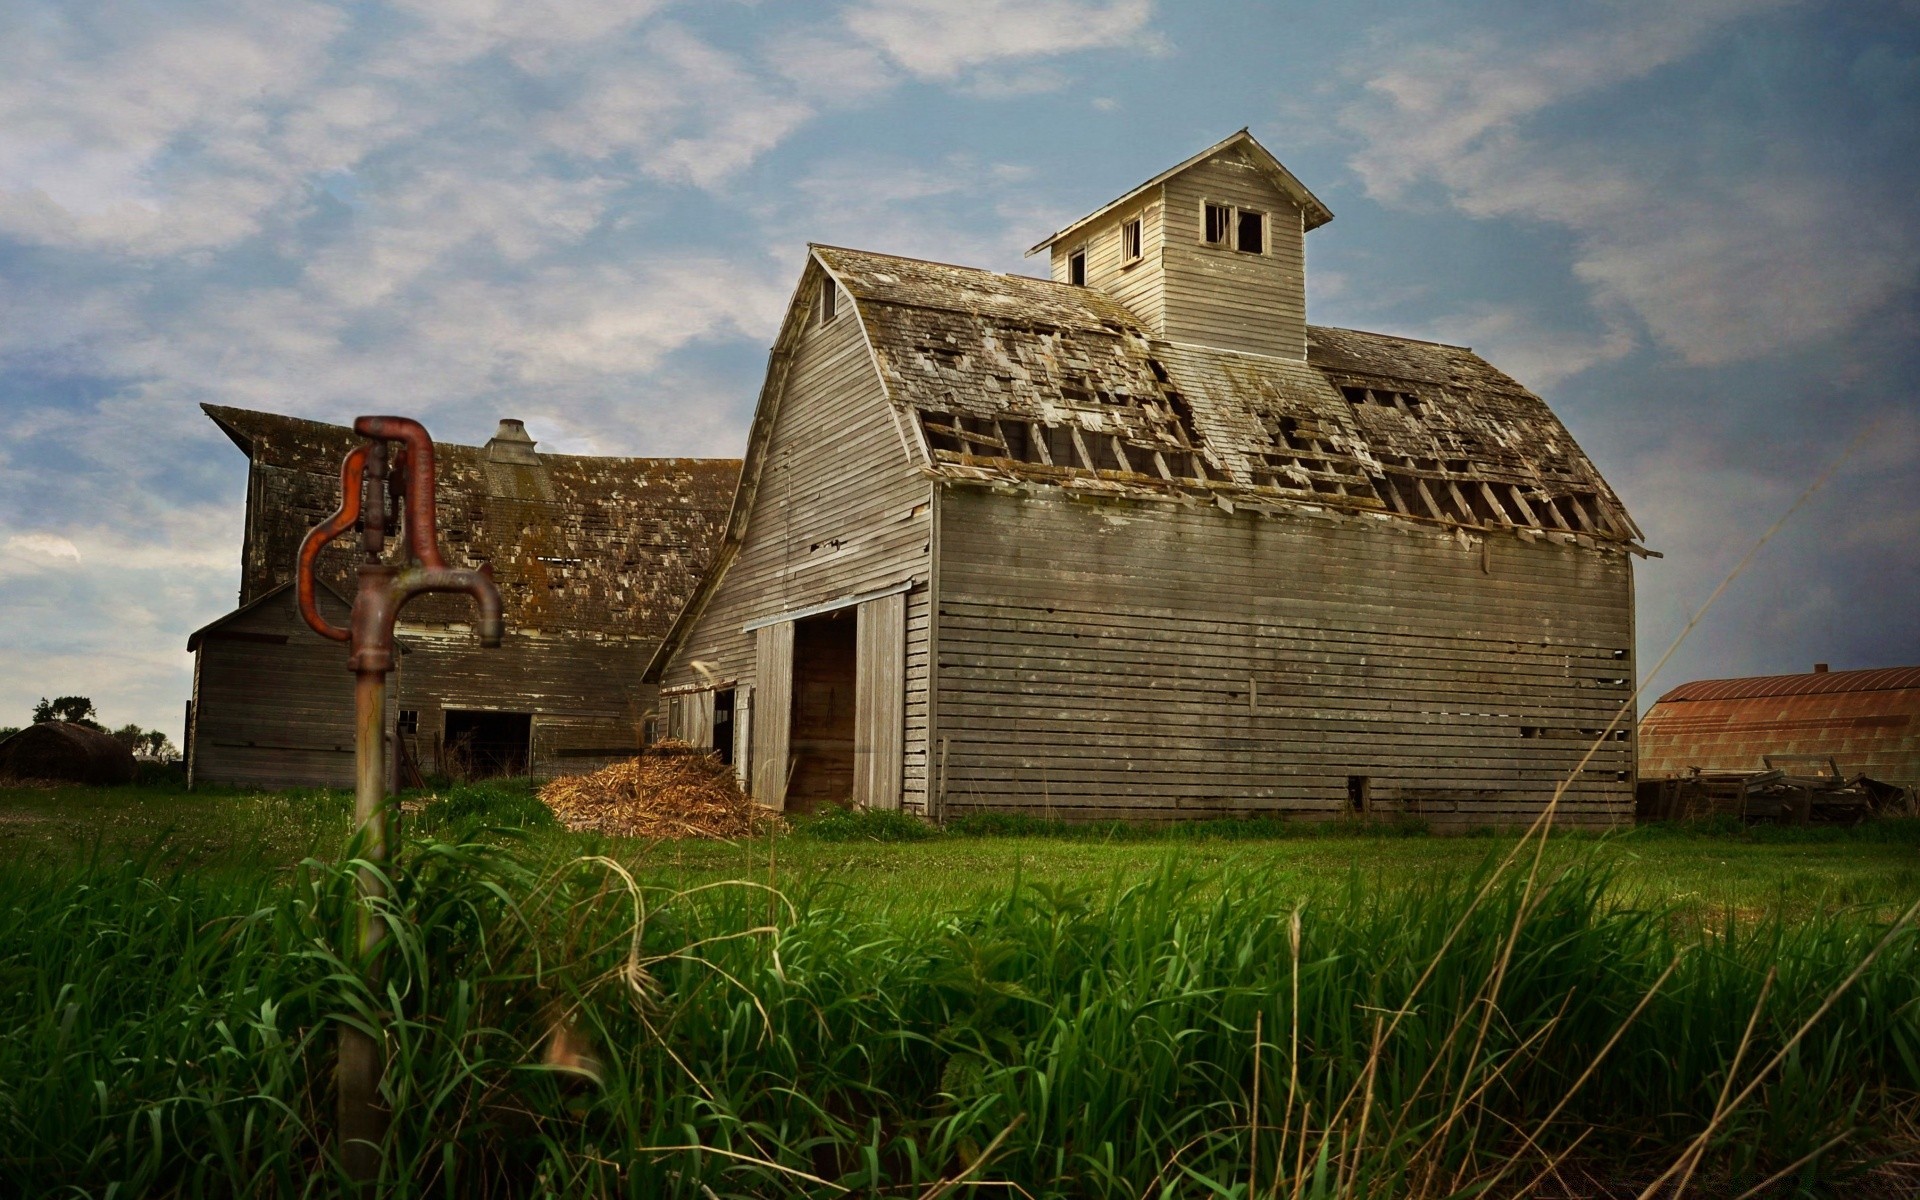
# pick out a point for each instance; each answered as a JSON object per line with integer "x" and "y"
{"x": 488, "y": 624}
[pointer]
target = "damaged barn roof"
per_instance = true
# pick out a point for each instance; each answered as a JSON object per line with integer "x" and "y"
{"x": 1015, "y": 378}
{"x": 577, "y": 543}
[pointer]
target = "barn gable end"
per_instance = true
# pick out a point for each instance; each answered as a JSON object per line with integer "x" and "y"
{"x": 832, "y": 523}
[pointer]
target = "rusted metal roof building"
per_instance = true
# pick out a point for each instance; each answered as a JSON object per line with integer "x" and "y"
{"x": 1138, "y": 541}
{"x": 593, "y": 557}
{"x": 1866, "y": 722}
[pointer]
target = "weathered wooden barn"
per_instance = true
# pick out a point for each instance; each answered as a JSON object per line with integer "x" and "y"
{"x": 1138, "y": 541}
{"x": 593, "y": 557}
{"x": 1862, "y": 722}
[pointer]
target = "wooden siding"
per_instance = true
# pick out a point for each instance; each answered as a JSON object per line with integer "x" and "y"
{"x": 1138, "y": 284}
{"x": 840, "y": 509}
{"x": 273, "y": 702}
{"x": 1217, "y": 296}
{"x": 879, "y": 689}
{"x": 584, "y": 692}
{"x": 1111, "y": 659}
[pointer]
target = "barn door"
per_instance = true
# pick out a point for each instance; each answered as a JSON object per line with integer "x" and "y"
{"x": 700, "y": 719}
{"x": 773, "y": 683}
{"x": 743, "y": 735}
{"x": 879, "y": 701}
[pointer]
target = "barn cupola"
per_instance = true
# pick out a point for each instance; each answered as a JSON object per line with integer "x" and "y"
{"x": 511, "y": 445}
{"x": 1210, "y": 252}
{"x": 513, "y": 470}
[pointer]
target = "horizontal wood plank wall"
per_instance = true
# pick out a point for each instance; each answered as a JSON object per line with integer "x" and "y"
{"x": 1218, "y": 296}
{"x": 273, "y": 713}
{"x": 1111, "y": 659}
{"x": 841, "y": 509}
{"x": 580, "y": 688}
{"x": 1139, "y": 284}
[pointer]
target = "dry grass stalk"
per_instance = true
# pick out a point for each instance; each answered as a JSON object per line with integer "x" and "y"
{"x": 671, "y": 791}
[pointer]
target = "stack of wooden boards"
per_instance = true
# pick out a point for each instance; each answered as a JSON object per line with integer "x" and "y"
{"x": 1771, "y": 795}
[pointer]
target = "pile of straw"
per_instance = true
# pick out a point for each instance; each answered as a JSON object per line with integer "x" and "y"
{"x": 671, "y": 791}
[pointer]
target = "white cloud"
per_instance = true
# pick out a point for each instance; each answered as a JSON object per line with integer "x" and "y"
{"x": 1509, "y": 336}
{"x": 92, "y": 153}
{"x": 940, "y": 39}
{"x": 34, "y": 550}
{"x": 1719, "y": 266}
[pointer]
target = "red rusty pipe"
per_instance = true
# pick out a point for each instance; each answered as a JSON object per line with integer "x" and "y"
{"x": 419, "y": 518}
{"x": 352, "y": 468}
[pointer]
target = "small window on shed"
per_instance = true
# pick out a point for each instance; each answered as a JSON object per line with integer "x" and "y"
{"x": 409, "y": 721}
{"x": 1250, "y": 230}
{"x": 1077, "y": 268}
{"x": 1130, "y": 240}
{"x": 829, "y": 300}
{"x": 1217, "y": 224}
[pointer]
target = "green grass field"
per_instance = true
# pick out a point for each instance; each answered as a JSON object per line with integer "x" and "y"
{"x": 856, "y": 1008}
{"x": 1791, "y": 873}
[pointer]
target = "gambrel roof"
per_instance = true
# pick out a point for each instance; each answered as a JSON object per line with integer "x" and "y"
{"x": 578, "y": 543}
{"x": 1006, "y": 377}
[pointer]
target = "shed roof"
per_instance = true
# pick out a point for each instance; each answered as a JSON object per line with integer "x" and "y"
{"x": 1866, "y": 722}
{"x": 578, "y": 543}
{"x": 1816, "y": 683}
{"x": 994, "y": 365}
{"x": 1315, "y": 213}
{"x": 338, "y": 605}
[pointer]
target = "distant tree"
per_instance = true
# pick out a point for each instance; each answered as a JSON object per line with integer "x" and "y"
{"x": 7, "y": 731}
{"x": 146, "y": 743}
{"x": 76, "y": 709}
{"x": 160, "y": 746}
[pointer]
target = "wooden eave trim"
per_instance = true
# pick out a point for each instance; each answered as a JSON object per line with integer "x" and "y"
{"x": 1147, "y": 489}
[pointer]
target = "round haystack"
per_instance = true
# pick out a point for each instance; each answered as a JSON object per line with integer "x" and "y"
{"x": 60, "y": 751}
{"x": 671, "y": 791}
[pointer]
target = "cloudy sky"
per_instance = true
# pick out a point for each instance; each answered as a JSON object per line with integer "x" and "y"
{"x": 1692, "y": 227}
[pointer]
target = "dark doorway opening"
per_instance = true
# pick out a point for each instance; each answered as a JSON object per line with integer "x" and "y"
{"x": 484, "y": 745}
{"x": 1359, "y": 795}
{"x": 723, "y": 725}
{"x": 821, "y": 736}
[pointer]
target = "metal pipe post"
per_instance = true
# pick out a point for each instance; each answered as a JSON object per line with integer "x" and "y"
{"x": 363, "y": 1123}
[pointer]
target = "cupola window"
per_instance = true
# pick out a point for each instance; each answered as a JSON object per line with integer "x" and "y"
{"x": 1219, "y": 224}
{"x": 1250, "y": 232}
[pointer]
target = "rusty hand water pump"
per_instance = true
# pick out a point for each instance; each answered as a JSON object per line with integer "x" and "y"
{"x": 376, "y": 486}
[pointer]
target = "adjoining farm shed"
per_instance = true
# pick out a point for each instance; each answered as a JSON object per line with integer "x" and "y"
{"x": 593, "y": 557}
{"x": 1864, "y": 722}
{"x": 1138, "y": 541}
{"x": 65, "y": 752}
